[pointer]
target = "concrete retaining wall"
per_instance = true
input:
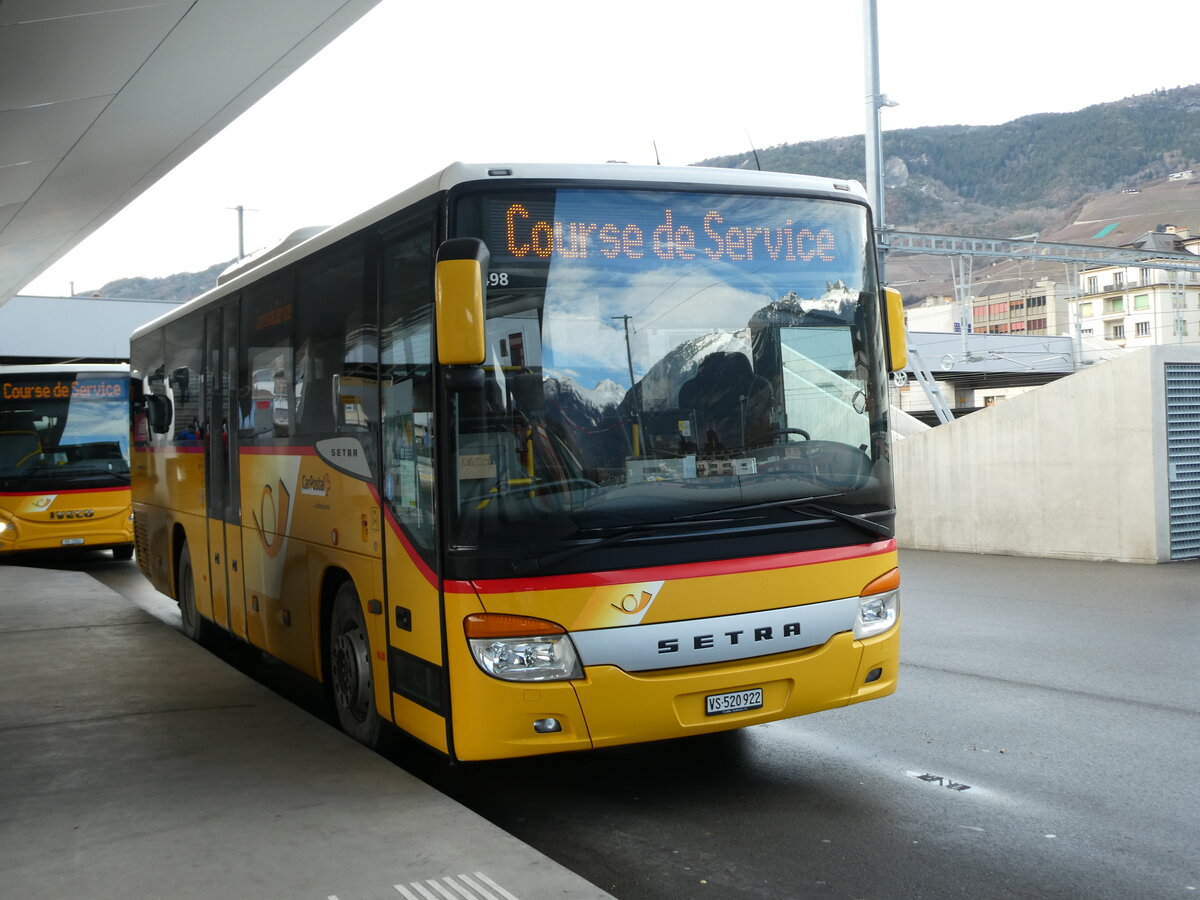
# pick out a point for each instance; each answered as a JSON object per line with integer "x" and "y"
{"x": 1076, "y": 469}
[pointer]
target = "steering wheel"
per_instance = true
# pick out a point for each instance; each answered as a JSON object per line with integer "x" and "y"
{"x": 800, "y": 431}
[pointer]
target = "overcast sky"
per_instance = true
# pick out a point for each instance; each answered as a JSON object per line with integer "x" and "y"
{"x": 406, "y": 91}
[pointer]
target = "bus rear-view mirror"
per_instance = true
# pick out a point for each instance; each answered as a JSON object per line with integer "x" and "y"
{"x": 897, "y": 342}
{"x": 459, "y": 279}
{"x": 158, "y": 413}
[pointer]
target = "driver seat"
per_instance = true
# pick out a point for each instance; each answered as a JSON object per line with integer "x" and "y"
{"x": 732, "y": 403}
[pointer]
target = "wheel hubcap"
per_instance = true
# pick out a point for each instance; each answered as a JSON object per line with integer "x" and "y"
{"x": 351, "y": 672}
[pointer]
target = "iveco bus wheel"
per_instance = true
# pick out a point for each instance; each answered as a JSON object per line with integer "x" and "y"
{"x": 191, "y": 622}
{"x": 125, "y": 551}
{"x": 350, "y": 681}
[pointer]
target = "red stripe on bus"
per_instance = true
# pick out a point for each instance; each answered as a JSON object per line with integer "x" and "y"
{"x": 630, "y": 576}
{"x": 248, "y": 451}
{"x": 278, "y": 451}
{"x": 705, "y": 569}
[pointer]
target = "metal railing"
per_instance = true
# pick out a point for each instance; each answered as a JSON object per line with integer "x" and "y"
{"x": 1014, "y": 248}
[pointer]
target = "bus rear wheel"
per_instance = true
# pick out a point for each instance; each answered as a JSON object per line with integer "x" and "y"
{"x": 351, "y": 684}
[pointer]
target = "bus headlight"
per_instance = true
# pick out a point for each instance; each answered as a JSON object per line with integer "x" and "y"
{"x": 878, "y": 606}
{"x": 521, "y": 648}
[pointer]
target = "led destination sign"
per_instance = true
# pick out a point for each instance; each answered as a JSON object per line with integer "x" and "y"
{"x": 98, "y": 389}
{"x": 666, "y": 234}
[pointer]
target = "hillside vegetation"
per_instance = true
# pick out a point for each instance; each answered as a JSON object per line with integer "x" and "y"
{"x": 179, "y": 287}
{"x": 1024, "y": 175}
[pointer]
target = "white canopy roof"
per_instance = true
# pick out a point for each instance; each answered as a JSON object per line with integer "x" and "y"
{"x": 101, "y": 98}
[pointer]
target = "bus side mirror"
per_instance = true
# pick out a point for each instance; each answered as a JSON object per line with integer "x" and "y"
{"x": 158, "y": 413}
{"x": 893, "y": 317}
{"x": 462, "y": 265}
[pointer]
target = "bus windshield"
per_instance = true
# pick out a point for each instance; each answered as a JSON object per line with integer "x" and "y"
{"x": 658, "y": 356}
{"x": 63, "y": 431}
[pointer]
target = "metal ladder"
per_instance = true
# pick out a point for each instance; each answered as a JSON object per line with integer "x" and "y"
{"x": 932, "y": 391}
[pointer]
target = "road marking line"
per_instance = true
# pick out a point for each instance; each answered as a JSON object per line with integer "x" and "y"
{"x": 464, "y": 885}
{"x": 483, "y": 892}
{"x": 505, "y": 894}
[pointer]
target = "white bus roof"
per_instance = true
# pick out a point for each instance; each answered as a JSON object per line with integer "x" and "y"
{"x": 464, "y": 173}
{"x": 64, "y": 368}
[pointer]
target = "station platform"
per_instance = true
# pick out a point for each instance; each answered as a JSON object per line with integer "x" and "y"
{"x": 134, "y": 763}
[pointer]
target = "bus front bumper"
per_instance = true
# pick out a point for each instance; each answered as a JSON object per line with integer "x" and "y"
{"x": 610, "y": 707}
{"x": 19, "y": 535}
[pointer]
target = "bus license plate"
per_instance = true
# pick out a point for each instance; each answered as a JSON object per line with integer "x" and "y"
{"x": 734, "y": 701}
{"x": 71, "y": 542}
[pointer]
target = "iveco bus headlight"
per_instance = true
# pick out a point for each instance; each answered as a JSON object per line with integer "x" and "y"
{"x": 520, "y": 648}
{"x": 878, "y": 606}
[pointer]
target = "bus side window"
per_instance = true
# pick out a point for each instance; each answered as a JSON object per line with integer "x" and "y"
{"x": 336, "y": 357}
{"x": 265, "y": 392}
{"x": 148, "y": 368}
{"x": 184, "y": 358}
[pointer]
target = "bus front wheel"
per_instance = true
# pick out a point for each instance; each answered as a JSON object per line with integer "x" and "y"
{"x": 350, "y": 681}
{"x": 190, "y": 621}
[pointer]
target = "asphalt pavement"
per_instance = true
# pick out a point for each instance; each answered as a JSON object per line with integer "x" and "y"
{"x": 1043, "y": 743}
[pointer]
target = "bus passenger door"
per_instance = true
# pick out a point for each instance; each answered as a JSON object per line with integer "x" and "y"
{"x": 216, "y": 431}
{"x": 417, "y": 665}
{"x": 221, "y": 471}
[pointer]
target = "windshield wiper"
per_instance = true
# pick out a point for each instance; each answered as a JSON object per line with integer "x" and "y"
{"x": 864, "y": 523}
{"x": 807, "y": 505}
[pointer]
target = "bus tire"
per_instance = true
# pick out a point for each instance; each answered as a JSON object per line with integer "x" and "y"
{"x": 351, "y": 685}
{"x": 125, "y": 551}
{"x": 191, "y": 622}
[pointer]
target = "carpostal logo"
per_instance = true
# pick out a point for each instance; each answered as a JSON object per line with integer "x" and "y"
{"x": 614, "y": 606}
{"x": 316, "y": 485}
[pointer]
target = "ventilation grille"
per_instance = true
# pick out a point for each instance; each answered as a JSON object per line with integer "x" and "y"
{"x": 1183, "y": 458}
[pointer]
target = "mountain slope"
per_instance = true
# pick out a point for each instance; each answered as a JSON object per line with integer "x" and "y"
{"x": 179, "y": 287}
{"x": 1027, "y": 172}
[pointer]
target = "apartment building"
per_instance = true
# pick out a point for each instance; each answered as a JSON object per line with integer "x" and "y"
{"x": 1142, "y": 305}
{"x": 1040, "y": 308}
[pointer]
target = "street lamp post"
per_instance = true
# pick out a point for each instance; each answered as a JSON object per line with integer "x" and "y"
{"x": 873, "y": 135}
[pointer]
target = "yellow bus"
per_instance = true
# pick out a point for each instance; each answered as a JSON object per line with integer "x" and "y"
{"x": 536, "y": 458}
{"x": 64, "y": 458}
